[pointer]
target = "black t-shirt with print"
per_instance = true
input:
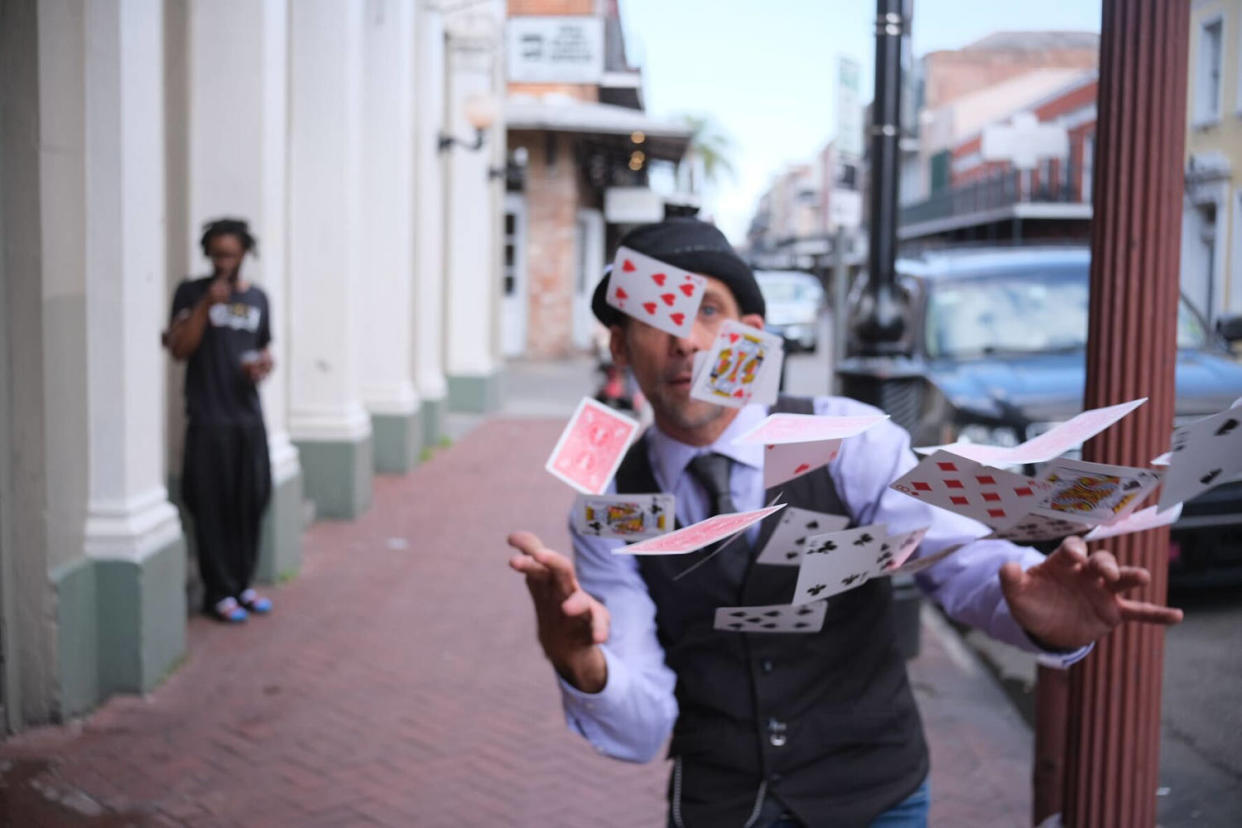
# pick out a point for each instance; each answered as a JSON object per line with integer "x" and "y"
{"x": 217, "y": 391}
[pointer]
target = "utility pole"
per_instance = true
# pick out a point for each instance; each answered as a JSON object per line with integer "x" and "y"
{"x": 1112, "y": 736}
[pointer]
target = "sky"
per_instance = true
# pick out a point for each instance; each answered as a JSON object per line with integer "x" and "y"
{"x": 765, "y": 70}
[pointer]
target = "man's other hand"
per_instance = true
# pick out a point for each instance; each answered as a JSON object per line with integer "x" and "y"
{"x": 571, "y": 623}
{"x": 1072, "y": 599}
{"x": 219, "y": 291}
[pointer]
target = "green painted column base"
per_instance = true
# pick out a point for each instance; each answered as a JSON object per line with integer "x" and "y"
{"x": 280, "y": 540}
{"x": 475, "y": 393}
{"x": 433, "y": 421}
{"x": 337, "y": 475}
{"x": 398, "y": 440}
{"x": 120, "y": 625}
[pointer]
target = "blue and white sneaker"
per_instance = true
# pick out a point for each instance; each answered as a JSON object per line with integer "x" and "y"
{"x": 229, "y": 611}
{"x": 255, "y": 602}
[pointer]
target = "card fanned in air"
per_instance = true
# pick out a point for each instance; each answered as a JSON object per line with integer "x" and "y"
{"x": 663, "y": 296}
{"x": 783, "y": 462}
{"x": 991, "y": 496}
{"x": 591, "y": 447}
{"x": 1094, "y": 493}
{"x": 781, "y": 428}
{"x": 1052, "y": 443}
{"x": 775, "y": 618}
{"x": 838, "y": 561}
{"x": 1205, "y": 453}
{"x": 700, "y": 534}
{"x": 789, "y": 538}
{"x": 742, "y": 366}
{"x": 629, "y": 517}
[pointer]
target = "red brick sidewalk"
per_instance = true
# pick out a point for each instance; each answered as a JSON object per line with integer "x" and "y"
{"x": 399, "y": 683}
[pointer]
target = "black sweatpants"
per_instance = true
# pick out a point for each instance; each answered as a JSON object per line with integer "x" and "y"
{"x": 226, "y": 484}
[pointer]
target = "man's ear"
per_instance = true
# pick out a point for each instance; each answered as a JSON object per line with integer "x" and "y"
{"x": 617, "y": 346}
{"x": 752, "y": 319}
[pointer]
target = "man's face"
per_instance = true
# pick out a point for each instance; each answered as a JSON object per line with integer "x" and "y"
{"x": 226, "y": 252}
{"x": 663, "y": 364}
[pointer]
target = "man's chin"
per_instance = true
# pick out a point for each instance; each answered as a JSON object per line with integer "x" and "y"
{"x": 690, "y": 413}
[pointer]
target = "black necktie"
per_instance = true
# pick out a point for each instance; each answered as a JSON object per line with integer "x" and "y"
{"x": 712, "y": 470}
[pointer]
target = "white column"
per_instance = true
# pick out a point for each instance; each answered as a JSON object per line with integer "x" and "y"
{"x": 472, "y": 286}
{"x": 238, "y": 109}
{"x": 326, "y": 415}
{"x": 429, "y": 216}
{"x": 128, "y": 513}
{"x": 388, "y": 231}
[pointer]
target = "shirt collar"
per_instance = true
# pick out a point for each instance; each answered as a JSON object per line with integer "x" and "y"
{"x": 670, "y": 457}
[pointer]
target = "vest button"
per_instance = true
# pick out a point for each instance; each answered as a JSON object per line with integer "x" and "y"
{"x": 776, "y": 733}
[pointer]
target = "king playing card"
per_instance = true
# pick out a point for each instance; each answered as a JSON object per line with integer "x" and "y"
{"x": 739, "y": 367}
{"x": 629, "y": 517}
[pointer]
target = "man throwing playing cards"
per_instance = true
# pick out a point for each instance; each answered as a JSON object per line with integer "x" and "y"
{"x": 771, "y": 724}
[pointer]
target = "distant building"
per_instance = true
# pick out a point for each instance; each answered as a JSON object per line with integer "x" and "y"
{"x": 1212, "y": 218}
{"x": 580, "y": 151}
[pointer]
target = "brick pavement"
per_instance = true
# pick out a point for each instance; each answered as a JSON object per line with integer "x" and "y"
{"x": 399, "y": 683}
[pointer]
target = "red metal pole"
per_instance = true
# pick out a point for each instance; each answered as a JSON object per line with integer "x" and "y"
{"x": 1113, "y": 733}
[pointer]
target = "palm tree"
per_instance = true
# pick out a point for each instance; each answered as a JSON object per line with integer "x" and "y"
{"x": 709, "y": 150}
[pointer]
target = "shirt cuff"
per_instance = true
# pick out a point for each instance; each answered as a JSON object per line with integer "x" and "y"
{"x": 582, "y": 710}
{"x": 1005, "y": 628}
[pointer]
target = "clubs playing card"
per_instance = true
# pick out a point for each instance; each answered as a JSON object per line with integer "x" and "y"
{"x": 784, "y": 547}
{"x": 659, "y": 294}
{"x": 1205, "y": 453}
{"x": 1094, "y": 492}
{"x": 1035, "y": 527}
{"x": 897, "y": 549}
{"x": 785, "y": 461}
{"x": 1149, "y": 518}
{"x": 991, "y": 496}
{"x": 591, "y": 447}
{"x": 700, "y": 534}
{"x": 630, "y": 517}
{"x": 738, "y": 366}
{"x": 779, "y": 429}
{"x": 1052, "y": 443}
{"x": 786, "y": 618}
{"x": 837, "y": 561}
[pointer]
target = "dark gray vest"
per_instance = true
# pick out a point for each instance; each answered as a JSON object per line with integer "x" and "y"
{"x": 826, "y": 720}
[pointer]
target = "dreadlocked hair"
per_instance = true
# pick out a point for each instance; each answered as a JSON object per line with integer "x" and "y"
{"x": 230, "y": 227}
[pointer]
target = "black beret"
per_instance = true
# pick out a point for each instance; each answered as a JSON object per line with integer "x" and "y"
{"x": 692, "y": 245}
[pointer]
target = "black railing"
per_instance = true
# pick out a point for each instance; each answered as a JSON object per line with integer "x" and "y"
{"x": 1000, "y": 189}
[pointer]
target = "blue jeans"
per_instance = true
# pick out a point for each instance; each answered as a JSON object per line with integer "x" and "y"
{"x": 911, "y": 812}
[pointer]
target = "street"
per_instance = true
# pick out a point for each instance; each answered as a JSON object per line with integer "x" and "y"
{"x": 1201, "y": 724}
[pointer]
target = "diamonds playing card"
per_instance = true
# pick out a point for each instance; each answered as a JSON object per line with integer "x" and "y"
{"x": 659, "y": 294}
{"x": 803, "y": 618}
{"x": 991, "y": 496}
{"x": 591, "y": 447}
{"x": 1205, "y": 453}
{"x": 788, "y": 540}
{"x": 630, "y": 517}
{"x": 738, "y": 365}
{"x": 1094, "y": 492}
{"x": 783, "y": 462}
{"x": 700, "y": 534}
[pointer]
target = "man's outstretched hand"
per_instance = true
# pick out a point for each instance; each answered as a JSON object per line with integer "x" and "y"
{"x": 1072, "y": 599}
{"x": 571, "y": 623}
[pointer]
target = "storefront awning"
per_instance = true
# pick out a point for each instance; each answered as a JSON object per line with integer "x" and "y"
{"x": 551, "y": 113}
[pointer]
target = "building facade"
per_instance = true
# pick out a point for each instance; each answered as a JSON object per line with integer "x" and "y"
{"x": 129, "y": 123}
{"x": 1212, "y": 214}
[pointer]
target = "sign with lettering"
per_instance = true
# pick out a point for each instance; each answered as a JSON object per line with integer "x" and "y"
{"x": 566, "y": 49}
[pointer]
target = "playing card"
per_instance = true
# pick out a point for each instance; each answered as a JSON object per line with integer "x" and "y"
{"x": 700, "y": 534}
{"x": 1035, "y": 527}
{"x": 784, "y": 547}
{"x": 895, "y": 550}
{"x": 1205, "y": 453}
{"x": 591, "y": 447}
{"x": 654, "y": 292}
{"x": 785, "y": 461}
{"x": 737, "y": 364}
{"x": 803, "y": 618}
{"x": 837, "y": 561}
{"x": 991, "y": 496}
{"x": 631, "y": 517}
{"x": 778, "y": 429}
{"x": 1052, "y": 443}
{"x": 1094, "y": 492}
{"x": 1149, "y": 518}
